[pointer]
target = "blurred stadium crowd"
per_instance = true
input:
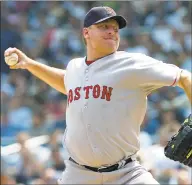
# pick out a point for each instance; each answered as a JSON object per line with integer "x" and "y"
{"x": 50, "y": 32}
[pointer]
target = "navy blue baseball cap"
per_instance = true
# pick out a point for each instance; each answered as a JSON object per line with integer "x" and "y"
{"x": 103, "y": 13}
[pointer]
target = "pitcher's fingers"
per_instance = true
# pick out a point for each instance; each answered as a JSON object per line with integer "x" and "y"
{"x": 19, "y": 52}
{"x": 13, "y": 67}
{"x": 16, "y": 66}
{"x": 8, "y": 52}
{"x": 12, "y": 50}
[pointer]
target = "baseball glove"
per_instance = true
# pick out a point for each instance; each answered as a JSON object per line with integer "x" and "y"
{"x": 179, "y": 147}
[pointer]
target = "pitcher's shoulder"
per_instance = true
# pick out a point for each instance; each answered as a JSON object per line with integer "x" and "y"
{"x": 76, "y": 62}
{"x": 134, "y": 56}
{"x": 125, "y": 53}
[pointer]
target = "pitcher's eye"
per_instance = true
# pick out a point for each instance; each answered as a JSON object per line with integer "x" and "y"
{"x": 103, "y": 26}
{"x": 116, "y": 29}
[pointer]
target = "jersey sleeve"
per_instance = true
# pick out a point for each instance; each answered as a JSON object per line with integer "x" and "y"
{"x": 66, "y": 75}
{"x": 152, "y": 74}
{"x": 65, "y": 79}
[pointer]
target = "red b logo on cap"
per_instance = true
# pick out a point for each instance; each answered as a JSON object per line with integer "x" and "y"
{"x": 109, "y": 10}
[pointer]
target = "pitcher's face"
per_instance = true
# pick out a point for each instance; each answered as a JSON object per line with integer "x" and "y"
{"x": 103, "y": 37}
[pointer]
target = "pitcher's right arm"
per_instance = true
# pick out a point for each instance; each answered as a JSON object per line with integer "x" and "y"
{"x": 50, "y": 75}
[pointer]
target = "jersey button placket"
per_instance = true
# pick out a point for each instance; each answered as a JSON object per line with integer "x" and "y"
{"x": 86, "y": 75}
{"x": 86, "y": 100}
{"x": 86, "y": 80}
{"x": 94, "y": 147}
{"x": 85, "y": 105}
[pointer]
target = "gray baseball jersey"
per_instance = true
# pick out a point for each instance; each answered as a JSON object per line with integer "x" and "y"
{"x": 107, "y": 101}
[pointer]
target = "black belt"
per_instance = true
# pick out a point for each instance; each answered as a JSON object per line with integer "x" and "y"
{"x": 106, "y": 169}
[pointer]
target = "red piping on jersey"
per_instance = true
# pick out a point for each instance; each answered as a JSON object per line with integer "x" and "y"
{"x": 88, "y": 62}
{"x": 174, "y": 81}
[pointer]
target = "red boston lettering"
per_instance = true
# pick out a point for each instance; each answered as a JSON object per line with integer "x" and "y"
{"x": 77, "y": 94}
{"x": 86, "y": 89}
{"x": 96, "y": 91}
{"x": 106, "y": 93}
{"x": 70, "y": 96}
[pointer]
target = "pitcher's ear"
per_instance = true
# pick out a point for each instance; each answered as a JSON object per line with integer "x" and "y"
{"x": 85, "y": 32}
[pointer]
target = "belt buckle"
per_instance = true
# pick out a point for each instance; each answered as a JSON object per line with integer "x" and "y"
{"x": 121, "y": 163}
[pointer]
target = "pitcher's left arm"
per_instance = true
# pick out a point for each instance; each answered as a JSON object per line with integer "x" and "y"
{"x": 186, "y": 84}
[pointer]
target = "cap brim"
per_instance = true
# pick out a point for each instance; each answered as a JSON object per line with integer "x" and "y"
{"x": 120, "y": 20}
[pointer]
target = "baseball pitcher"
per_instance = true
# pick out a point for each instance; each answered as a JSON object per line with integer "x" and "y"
{"x": 107, "y": 98}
